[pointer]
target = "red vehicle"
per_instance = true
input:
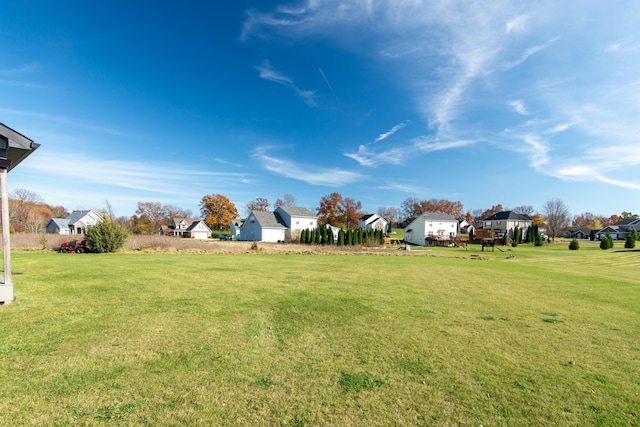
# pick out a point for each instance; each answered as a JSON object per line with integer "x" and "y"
{"x": 74, "y": 246}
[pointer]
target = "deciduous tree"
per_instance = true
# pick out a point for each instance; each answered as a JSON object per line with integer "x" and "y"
{"x": 259, "y": 204}
{"x": 557, "y": 214}
{"x": 218, "y": 211}
{"x": 289, "y": 200}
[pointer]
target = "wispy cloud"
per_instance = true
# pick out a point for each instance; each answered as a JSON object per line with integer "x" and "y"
{"x": 141, "y": 176}
{"x": 518, "y": 106}
{"x": 391, "y": 131}
{"x": 267, "y": 72}
{"x": 68, "y": 122}
{"x": 529, "y": 52}
{"x": 308, "y": 173}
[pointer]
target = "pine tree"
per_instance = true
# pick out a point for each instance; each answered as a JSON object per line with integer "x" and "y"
{"x": 630, "y": 243}
{"x": 340, "y": 237}
{"x": 574, "y": 245}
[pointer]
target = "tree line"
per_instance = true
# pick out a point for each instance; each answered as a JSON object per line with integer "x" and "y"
{"x": 30, "y": 214}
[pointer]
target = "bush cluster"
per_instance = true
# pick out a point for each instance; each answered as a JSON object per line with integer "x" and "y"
{"x": 106, "y": 236}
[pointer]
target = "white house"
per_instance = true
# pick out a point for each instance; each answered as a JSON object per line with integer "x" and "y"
{"x": 431, "y": 227}
{"x": 263, "y": 226}
{"x": 372, "y": 222}
{"x": 185, "y": 227}
{"x": 76, "y": 223}
{"x": 296, "y": 219}
{"x": 58, "y": 226}
{"x": 235, "y": 227}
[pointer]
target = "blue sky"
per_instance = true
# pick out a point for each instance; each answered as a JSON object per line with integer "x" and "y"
{"x": 510, "y": 102}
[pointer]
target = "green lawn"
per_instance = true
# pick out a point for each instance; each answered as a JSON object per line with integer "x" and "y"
{"x": 548, "y": 337}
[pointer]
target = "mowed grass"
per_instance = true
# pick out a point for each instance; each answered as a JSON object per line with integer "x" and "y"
{"x": 548, "y": 337}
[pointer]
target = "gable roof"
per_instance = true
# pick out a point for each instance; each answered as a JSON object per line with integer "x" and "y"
{"x": 366, "y": 217}
{"x": 297, "y": 212}
{"x": 60, "y": 222}
{"x": 268, "y": 219}
{"x": 195, "y": 223}
{"x": 506, "y": 215}
{"x": 78, "y": 215}
{"x": 438, "y": 216}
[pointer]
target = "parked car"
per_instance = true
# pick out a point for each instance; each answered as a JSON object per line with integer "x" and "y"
{"x": 74, "y": 246}
{"x": 225, "y": 237}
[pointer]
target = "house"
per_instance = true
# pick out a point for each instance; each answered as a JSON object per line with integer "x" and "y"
{"x": 58, "y": 226}
{"x": 465, "y": 226}
{"x": 431, "y": 228}
{"x": 296, "y": 219}
{"x": 372, "y": 222}
{"x": 76, "y": 223}
{"x": 620, "y": 230}
{"x": 578, "y": 234}
{"x": 506, "y": 222}
{"x": 263, "y": 226}
{"x": 185, "y": 227}
{"x": 235, "y": 227}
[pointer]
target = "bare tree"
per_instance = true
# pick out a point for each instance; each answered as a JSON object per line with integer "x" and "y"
{"x": 557, "y": 215}
{"x": 524, "y": 210}
{"x": 289, "y": 200}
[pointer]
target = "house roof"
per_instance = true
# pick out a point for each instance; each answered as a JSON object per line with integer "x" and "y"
{"x": 366, "y": 217}
{"x": 78, "y": 215}
{"x": 60, "y": 222}
{"x": 268, "y": 219}
{"x": 506, "y": 215}
{"x": 18, "y": 147}
{"x": 627, "y": 222}
{"x": 297, "y": 212}
{"x": 195, "y": 223}
{"x": 439, "y": 216}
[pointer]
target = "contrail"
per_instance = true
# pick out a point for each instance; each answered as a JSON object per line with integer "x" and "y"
{"x": 327, "y": 81}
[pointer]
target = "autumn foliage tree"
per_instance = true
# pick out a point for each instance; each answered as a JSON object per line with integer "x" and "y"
{"x": 412, "y": 208}
{"x": 150, "y": 216}
{"x": 339, "y": 211}
{"x": 218, "y": 211}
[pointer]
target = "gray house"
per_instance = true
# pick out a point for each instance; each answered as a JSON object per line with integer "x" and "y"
{"x": 76, "y": 223}
{"x": 506, "y": 222}
{"x": 263, "y": 226}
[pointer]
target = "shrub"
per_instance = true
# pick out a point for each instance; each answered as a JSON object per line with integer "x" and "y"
{"x": 630, "y": 243}
{"x": 604, "y": 244}
{"x": 107, "y": 236}
{"x": 574, "y": 245}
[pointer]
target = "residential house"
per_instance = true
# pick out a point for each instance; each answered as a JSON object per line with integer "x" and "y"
{"x": 58, "y": 226}
{"x": 620, "y": 230}
{"x": 263, "y": 226}
{"x": 296, "y": 219}
{"x": 187, "y": 228}
{"x": 76, "y": 223}
{"x": 431, "y": 228}
{"x": 578, "y": 234}
{"x": 372, "y": 222}
{"x": 506, "y": 222}
{"x": 235, "y": 227}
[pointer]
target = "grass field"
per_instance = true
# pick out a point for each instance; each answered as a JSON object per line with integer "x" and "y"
{"x": 438, "y": 337}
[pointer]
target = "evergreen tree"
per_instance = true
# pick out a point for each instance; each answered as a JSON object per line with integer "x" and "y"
{"x": 303, "y": 236}
{"x": 592, "y": 235}
{"x": 505, "y": 238}
{"x": 604, "y": 244}
{"x": 106, "y": 236}
{"x": 516, "y": 235}
{"x": 340, "y": 237}
{"x": 574, "y": 245}
{"x": 630, "y": 243}
{"x": 610, "y": 239}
